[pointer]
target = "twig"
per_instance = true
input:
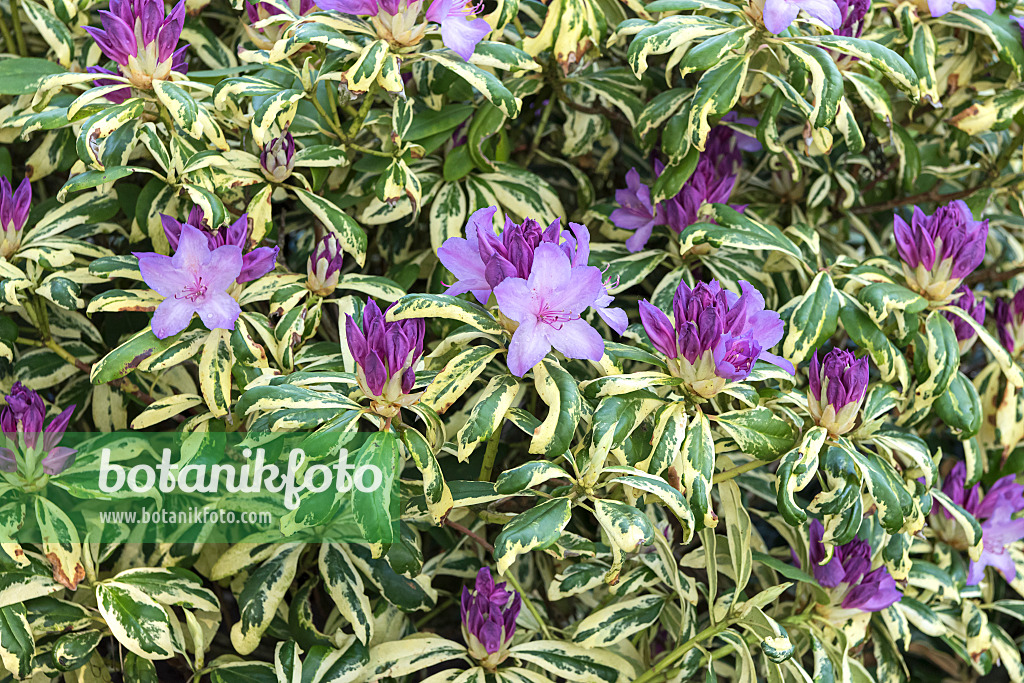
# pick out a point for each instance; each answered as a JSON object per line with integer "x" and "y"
{"x": 19, "y": 34}
{"x": 993, "y": 274}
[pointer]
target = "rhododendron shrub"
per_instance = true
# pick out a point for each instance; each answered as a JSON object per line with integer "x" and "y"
{"x": 648, "y": 341}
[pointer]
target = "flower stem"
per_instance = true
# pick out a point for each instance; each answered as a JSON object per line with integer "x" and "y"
{"x": 5, "y": 31}
{"x": 19, "y": 34}
{"x": 363, "y": 112}
{"x": 676, "y": 654}
{"x": 490, "y": 455}
{"x": 529, "y": 605}
{"x": 738, "y": 470}
{"x": 539, "y": 134}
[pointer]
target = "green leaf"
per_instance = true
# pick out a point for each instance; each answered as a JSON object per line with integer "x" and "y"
{"x": 344, "y": 227}
{"x": 558, "y": 389}
{"x": 17, "y": 646}
{"x": 812, "y": 318}
{"x": 444, "y": 306}
{"x": 618, "y": 621}
{"x": 758, "y": 432}
{"x": 960, "y": 406}
{"x": 18, "y": 76}
{"x": 180, "y": 105}
{"x": 536, "y": 529}
{"x": 486, "y": 83}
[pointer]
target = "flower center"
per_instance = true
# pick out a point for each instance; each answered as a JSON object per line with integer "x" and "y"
{"x": 194, "y": 291}
{"x": 555, "y": 317}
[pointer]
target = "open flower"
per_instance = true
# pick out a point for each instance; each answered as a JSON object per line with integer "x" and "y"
{"x": 837, "y": 387}
{"x": 489, "y": 615}
{"x": 482, "y": 260}
{"x": 22, "y": 423}
{"x": 940, "y": 7}
{"x": 324, "y": 267}
{"x": 386, "y": 354}
{"x": 195, "y": 280}
{"x": 142, "y": 41}
{"x": 255, "y": 263}
{"x": 398, "y": 21}
{"x": 995, "y": 511}
{"x": 14, "y": 207}
{"x": 974, "y": 307}
{"x": 278, "y": 158}
{"x": 940, "y": 250}
{"x": 547, "y": 307}
{"x": 779, "y": 14}
{"x": 851, "y": 582}
{"x": 716, "y": 337}
{"x": 1010, "y": 322}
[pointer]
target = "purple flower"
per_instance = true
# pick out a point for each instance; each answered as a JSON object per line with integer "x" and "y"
{"x": 1020, "y": 26}
{"x": 995, "y": 511}
{"x": 853, "y": 12}
{"x": 138, "y": 36}
{"x": 779, "y": 14}
{"x": 940, "y": 250}
{"x": 713, "y": 180}
{"x": 489, "y": 615}
{"x": 195, "y": 280}
{"x": 255, "y": 263}
{"x": 386, "y": 354}
{"x": 1010, "y": 322}
{"x": 965, "y": 300}
{"x": 940, "y": 7}
{"x": 717, "y": 336}
{"x": 837, "y": 389}
{"x": 14, "y": 207}
{"x": 278, "y": 158}
{"x": 22, "y": 423}
{"x": 548, "y": 307}
{"x": 848, "y": 575}
{"x": 324, "y": 267}
{"x": 483, "y": 260}
{"x": 397, "y": 22}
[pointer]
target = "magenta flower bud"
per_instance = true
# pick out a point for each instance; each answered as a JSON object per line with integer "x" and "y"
{"x": 255, "y": 263}
{"x": 964, "y": 299}
{"x": 940, "y": 250}
{"x": 324, "y": 267}
{"x": 386, "y": 354}
{"x": 717, "y": 336}
{"x": 14, "y": 207}
{"x": 853, "y": 12}
{"x": 142, "y": 41}
{"x": 837, "y": 389}
{"x": 21, "y": 421}
{"x": 489, "y": 615}
{"x": 1010, "y": 322}
{"x": 278, "y": 158}
{"x": 848, "y": 576}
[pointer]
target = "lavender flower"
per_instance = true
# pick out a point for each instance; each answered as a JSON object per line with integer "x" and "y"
{"x": 482, "y": 260}
{"x": 713, "y": 180}
{"x": 853, "y": 12}
{"x": 940, "y": 250}
{"x": 837, "y": 389}
{"x": 14, "y": 207}
{"x": 848, "y": 575}
{"x": 194, "y": 280}
{"x": 324, "y": 267}
{"x": 489, "y": 615}
{"x": 265, "y": 37}
{"x": 386, "y": 354}
{"x": 547, "y": 307}
{"x": 1010, "y": 322}
{"x": 965, "y": 299}
{"x": 255, "y": 263}
{"x": 138, "y": 36}
{"x": 717, "y": 336}
{"x": 22, "y": 423}
{"x": 397, "y": 21}
{"x": 779, "y": 14}
{"x": 995, "y": 511}
{"x": 278, "y": 158}
{"x": 940, "y": 7}
{"x": 1020, "y": 26}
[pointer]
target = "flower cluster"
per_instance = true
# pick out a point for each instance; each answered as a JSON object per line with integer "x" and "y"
{"x": 541, "y": 281}
{"x": 717, "y": 336}
{"x": 141, "y": 40}
{"x": 712, "y": 182}
{"x": 836, "y": 391}
{"x": 323, "y": 269}
{"x": 1010, "y": 322}
{"x": 940, "y": 250}
{"x": 386, "y": 354}
{"x": 995, "y": 511}
{"x": 278, "y": 158}
{"x": 14, "y": 207}
{"x": 398, "y": 21}
{"x": 964, "y": 299}
{"x": 21, "y": 421}
{"x": 255, "y": 263}
{"x": 489, "y": 615}
{"x": 852, "y": 583}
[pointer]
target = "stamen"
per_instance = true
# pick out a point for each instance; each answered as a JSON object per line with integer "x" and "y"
{"x": 194, "y": 291}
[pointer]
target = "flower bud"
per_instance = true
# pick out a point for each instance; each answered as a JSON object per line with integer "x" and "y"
{"x": 138, "y": 36}
{"x": 1010, "y": 322}
{"x": 324, "y": 267}
{"x": 965, "y": 299}
{"x": 837, "y": 389}
{"x": 940, "y": 250}
{"x": 14, "y": 208}
{"x": 21, "y": 421}
{"x": 386, "y": 354}
{"x": 489, "y": 615}
{"x": 278, "y": 158}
